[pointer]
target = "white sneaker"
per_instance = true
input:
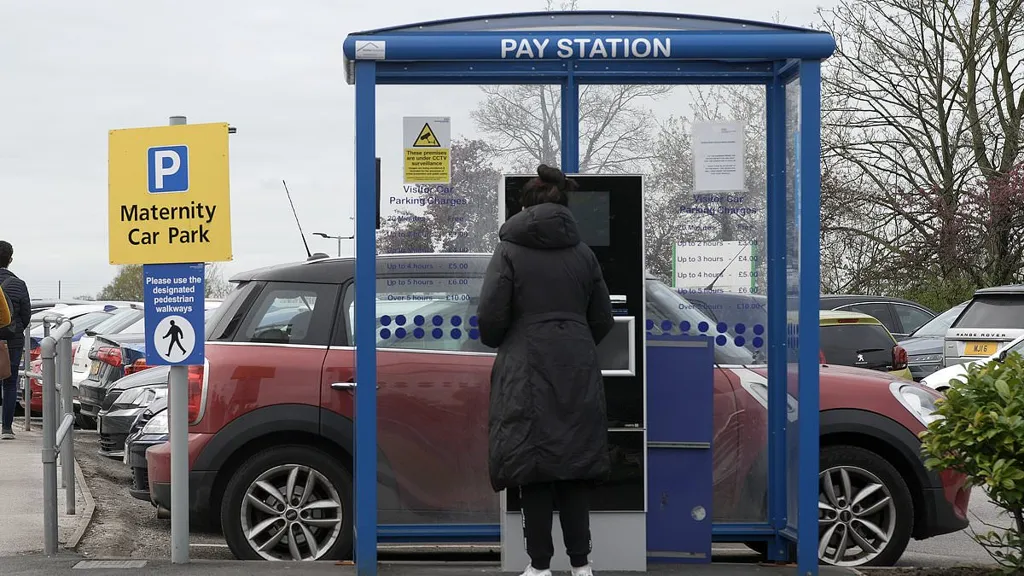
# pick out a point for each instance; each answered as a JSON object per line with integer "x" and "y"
{"x": 583, "y": 571}
{"x": 531, "y": 571}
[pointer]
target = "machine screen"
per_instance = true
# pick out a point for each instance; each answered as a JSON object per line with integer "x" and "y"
{"x": 593, "y": 215}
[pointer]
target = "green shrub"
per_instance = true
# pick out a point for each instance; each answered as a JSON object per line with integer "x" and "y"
{"x": 980, "y": 433}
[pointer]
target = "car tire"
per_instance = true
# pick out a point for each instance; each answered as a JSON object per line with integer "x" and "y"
{"x": 868, "y": 466}
{"x": 253, "y": 517}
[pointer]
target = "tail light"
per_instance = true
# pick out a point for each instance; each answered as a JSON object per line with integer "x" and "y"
{"x": 899, "y": 358}
{"x": 110, "y": 355}
{"x": 137, "y": 366}
{"x": 74, "y": 349}
{"x": 196, "y": 393}
{"x": 35, "y": 353}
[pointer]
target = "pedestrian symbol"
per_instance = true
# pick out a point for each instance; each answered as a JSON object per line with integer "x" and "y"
{"x": 174, "y": 339}
{"x": 426, "y": 139}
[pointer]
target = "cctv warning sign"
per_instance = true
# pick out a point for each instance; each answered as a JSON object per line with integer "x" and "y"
{"x": 168, "y": 193}
{"x": 427, "y": 150}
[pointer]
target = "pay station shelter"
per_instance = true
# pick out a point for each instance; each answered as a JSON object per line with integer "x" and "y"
{"x": 572, "y": 50}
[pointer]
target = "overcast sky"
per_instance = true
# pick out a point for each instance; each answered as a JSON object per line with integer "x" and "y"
{"x": 72, "y": 70}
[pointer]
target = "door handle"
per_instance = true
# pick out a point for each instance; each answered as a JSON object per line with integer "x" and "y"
{"x": 347, "y": 386}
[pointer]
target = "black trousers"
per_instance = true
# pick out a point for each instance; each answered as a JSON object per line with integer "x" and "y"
{"x": 573, "y": 501}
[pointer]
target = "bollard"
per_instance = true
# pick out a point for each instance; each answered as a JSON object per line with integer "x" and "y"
{"x": 67, "y": 448}
{"x": 49, "y": 349}
{"x": 26, "y": 365}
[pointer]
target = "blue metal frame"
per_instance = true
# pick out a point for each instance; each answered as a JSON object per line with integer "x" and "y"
{"x": 703, "y": 51}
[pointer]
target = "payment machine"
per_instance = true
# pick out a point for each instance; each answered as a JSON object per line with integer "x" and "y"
{"x": 609, "y": 211}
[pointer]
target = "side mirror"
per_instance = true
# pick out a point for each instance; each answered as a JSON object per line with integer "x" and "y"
{"x": 1002, "y": 355}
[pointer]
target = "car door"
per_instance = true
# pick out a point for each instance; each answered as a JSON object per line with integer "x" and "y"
{"x": 911, "y": 318}
{"x": 433, "y": 378}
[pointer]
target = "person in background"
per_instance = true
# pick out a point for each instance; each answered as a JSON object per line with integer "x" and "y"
{"x": 14, "y": 334}
{"x": 545, "y": 306}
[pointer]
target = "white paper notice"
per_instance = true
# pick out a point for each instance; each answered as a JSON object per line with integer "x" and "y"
{"x": 718, "y": 157}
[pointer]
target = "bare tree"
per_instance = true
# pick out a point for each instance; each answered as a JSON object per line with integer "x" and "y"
{"x": 923, "y": 110}
{"x": 523, "y": 122}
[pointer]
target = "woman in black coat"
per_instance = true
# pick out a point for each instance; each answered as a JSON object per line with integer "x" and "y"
{"x": 545, "y": 306}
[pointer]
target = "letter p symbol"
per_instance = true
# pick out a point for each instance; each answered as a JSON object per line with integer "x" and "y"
{"x": 168, "y": 169}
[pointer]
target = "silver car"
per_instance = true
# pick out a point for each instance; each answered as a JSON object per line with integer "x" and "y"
{"x": 993, "y": 319}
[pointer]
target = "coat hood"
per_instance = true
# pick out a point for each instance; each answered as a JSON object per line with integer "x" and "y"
{"x": 544, "y": 226}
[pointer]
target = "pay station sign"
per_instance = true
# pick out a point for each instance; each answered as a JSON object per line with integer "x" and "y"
{"x": 169, "y": 194}
{"x": 175, "y": 308}
{"x": 428, "y": 143}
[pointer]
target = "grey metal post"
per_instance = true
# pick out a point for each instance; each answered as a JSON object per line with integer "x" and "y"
{"x": 177, "y": 392}
{"x": 26, "y": 365}
{"x": 67, "y": 450}
{"x": 49, "y": 350}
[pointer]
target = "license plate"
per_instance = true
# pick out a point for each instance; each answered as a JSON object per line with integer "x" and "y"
{"x": 95, "y": 369}
{"x": 981, "y": 348}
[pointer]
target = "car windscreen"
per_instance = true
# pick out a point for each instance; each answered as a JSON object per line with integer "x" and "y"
{"x": 860, "y": 345}
{"x": 120, "y": 320}
{"x": 79, "y": 324}
{"x": 998, "y": 311}
{"x": 938, "y": 326}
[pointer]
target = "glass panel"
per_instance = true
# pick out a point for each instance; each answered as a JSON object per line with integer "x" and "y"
{"x": 994, "y": 312}
{"x": 793, "y": 290}
{"x": 911, "y": 318}
{"x": 290, "y": 313}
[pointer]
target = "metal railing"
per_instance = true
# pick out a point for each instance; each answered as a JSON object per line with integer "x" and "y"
{"x": 58, "y": 439}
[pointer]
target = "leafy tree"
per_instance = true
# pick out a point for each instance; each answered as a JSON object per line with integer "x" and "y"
{"x": 979, "y": 432}
{"x": 127, "y": 284}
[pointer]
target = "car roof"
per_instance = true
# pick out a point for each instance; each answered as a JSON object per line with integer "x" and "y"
{"x": 338, "y": 270}
{"x": 1007, "y": 289}
{"x": 843, "y": 317}
{"x": 866, "y": 298}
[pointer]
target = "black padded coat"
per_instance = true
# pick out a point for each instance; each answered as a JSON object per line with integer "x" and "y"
{"x": 545, "y": 306}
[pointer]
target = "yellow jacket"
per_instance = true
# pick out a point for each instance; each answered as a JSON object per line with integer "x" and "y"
{"x": 5, "y": 313}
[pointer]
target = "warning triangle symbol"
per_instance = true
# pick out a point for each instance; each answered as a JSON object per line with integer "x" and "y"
{"x": 426, "y": 139}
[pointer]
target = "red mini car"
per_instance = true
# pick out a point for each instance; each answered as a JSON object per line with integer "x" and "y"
{"x": 271, "y": 431}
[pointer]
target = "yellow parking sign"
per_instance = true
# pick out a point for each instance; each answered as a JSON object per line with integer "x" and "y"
{"x": 169, "y": 195}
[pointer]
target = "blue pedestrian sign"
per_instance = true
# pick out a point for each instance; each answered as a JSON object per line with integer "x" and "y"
{"x": 168, "y": 169}
{"x": 175, "y": 303}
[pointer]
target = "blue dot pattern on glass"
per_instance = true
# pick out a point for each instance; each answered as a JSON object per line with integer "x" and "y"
{"x": 385, "y": 320}
{"x": 385, "y": 333}
{"x": 437, "y": 333}
{"x": 419, "y": 320}
{"x": 456, "y": 333}
{"x": 474, "y": 334}
{"x": 456, "y": 321}
{"x": 400, "y": 333}
{"x": 473, "y": 321}
{"x": 400, "y": 320}
{"x": 437, "y": 320}
{"x": 419, "y": 333}
{"x": 723, "y": 338}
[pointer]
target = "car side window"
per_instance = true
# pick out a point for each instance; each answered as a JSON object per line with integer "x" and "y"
{"x": 290, "y": 313}
{"x": 912, "y": 318}
{"x": 879, "y": 311}
{"x": 435, "y": 313}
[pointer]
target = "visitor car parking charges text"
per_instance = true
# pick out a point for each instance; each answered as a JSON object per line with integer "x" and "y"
{"x": 181, "y": 228}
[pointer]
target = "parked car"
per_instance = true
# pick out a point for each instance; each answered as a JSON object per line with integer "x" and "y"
{"x": 149, "y": 429}
{"x": 993, "y": 318}
{"x": 940, "y": 380}
{"x": 113, "y": 357}
{"x": 924, "y": 345}
{"x": 900, "y": 317}
{"x": 855, "y": 339}
{"x": 126, "y": 399}
{"x": 271, "y": 413}
{"x": 120, "y": 321}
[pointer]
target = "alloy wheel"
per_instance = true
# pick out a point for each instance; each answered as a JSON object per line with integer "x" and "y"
{"x": 291, "y": 512}
{"x": 856, "y": 516}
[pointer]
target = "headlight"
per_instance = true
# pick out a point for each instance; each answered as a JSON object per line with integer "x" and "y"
{"x": 157, "y": 425}
{"x": 141, "y": 396}
{"x": 926, "y": 359}
{"x": 920, "y": 402}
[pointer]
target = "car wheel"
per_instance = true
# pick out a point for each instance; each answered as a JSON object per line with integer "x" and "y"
{"x": 289, "y": 503}
{"x": 865, "y": 509}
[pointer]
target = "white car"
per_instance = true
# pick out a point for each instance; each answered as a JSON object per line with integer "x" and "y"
{"x": 941, "y": 379}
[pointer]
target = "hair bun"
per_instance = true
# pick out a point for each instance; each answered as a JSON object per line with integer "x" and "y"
{"x": 551, "y": 175}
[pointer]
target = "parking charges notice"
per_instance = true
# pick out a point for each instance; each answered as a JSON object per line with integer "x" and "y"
{"x": 183, "y": 224}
